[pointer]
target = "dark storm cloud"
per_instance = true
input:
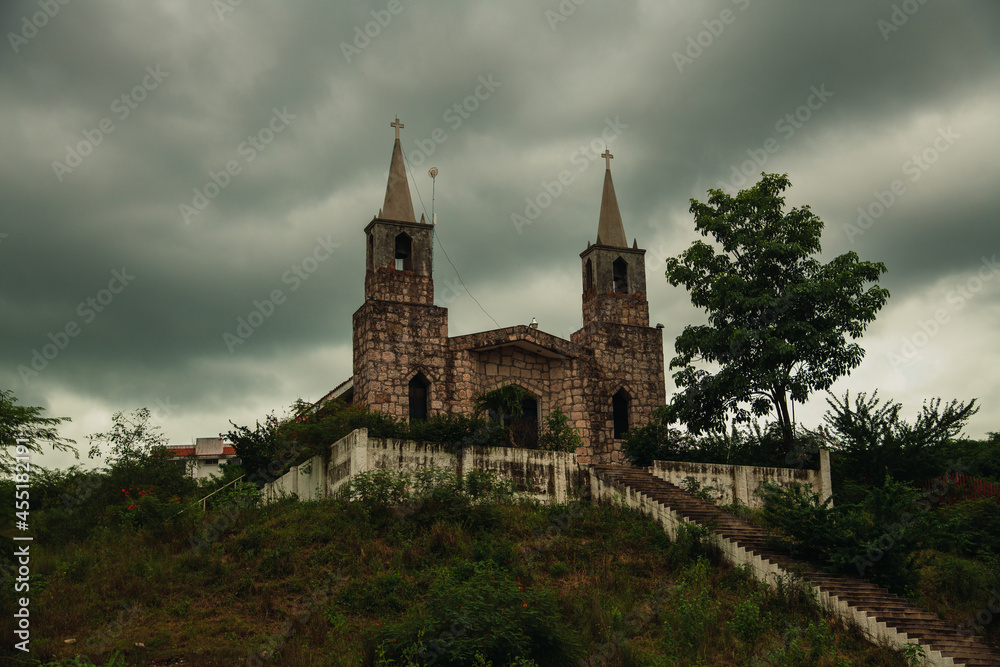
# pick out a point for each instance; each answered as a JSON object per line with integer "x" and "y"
{"x": 281, "y": 114}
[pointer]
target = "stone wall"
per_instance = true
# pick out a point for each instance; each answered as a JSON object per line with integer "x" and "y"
{"x": 602, "y": 260}
{"x": 388, "y": 284}
{"x": 730, "y": 483}
{"x": 551, "y": 369}
{"x": 625, "y": 357}
{"x": 632, "y": 309}
{"x": 392, "y": 343}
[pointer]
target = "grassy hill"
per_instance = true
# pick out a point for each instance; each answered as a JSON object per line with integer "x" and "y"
{"x": 461, "y": 574}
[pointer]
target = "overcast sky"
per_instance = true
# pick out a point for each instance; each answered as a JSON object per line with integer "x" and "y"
{"x": 167, "y": 164}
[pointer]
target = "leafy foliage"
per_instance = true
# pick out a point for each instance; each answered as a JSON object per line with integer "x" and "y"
{"x": 429, "y": 495}
{"x": 505, "y": 407}
{"x": 778, "y": 319}
{"x": 481, "y": 608}
{"x": 131, "y": 439}
{"x": 558, "y": 435}
{"x": 506, "y": 402}
{"x": 257, "y": 447}
{"x": 875, "y": 442}
{"x": 311, "y": 430}
{"x": 134, "y": 452}
{"x": 757, "y": 445}
{"x": 27, "y": 422}
{"x": 877, "y": 537}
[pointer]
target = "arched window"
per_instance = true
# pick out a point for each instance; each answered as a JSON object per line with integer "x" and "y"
{"x": 404, "y": 244}
{"x": 589, "y": 279}
{"x": 620, "y": 276}
{"x": 619, "y": 407}
{"x": 418, "y": 397}
{"x": 371, "y": 252}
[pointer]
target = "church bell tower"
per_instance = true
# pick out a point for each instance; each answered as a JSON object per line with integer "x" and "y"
{"x": 399, "y": 257}
{"x": 400, "y": 336}
{"x": 614, "y": 275}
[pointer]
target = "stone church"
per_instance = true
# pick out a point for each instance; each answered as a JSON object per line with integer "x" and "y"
{"x": 607, "y": 378}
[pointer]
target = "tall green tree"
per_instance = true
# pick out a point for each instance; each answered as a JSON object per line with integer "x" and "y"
{"x": 780, "y": 322}
{"x": 26, "y": 422}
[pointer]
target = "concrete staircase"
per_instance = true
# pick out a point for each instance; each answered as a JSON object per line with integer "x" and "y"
{"x": 882, "y": 615}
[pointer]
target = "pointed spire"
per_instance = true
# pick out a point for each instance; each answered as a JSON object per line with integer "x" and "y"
{"x": 398, "y": 205}
{"x": 610, "y": 230}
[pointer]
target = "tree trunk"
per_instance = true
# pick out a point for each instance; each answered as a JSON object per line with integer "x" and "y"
{"x": 781, "y": 406}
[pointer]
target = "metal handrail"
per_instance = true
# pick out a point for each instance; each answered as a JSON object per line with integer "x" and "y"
{"x": 202, "y": 501}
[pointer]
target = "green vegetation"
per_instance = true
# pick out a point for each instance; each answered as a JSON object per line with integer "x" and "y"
{"x": 943, "y": 556}
{"x": 934, "y": 546}
{"x": 558, "y": 435}
{"x": 778, "y": 319}
{"x": 419, "y": 570}
{"x": 26, "y": 422}
{"x": 757, "y": 445}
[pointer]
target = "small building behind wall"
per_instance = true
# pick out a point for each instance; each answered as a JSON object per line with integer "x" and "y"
{"x": 202, "y": 459}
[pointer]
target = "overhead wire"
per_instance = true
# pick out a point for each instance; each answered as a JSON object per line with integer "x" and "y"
{"x": 437, "y": 236}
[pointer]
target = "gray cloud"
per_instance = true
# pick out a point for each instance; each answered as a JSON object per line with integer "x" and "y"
{"x": 323, "y": 175}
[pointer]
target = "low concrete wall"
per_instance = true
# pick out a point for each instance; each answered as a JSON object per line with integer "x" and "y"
{"x": 730, "y": 483}
{"x": 550, "y": 477}
{"x": 407, "y": 456}
{"x": 305, "y": 482}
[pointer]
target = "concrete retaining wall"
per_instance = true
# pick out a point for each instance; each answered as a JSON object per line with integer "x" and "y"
{"x": 730, "y": 483}
{"x": 550, "y": 477}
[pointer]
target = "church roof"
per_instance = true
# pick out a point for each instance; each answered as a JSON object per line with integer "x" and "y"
{"x": 522, "y": 336}
{"x": 610, "y": 230}
{"x": 398, "y": 205}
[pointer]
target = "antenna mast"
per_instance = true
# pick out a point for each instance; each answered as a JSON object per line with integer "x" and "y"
{"x": 433, "y": 172}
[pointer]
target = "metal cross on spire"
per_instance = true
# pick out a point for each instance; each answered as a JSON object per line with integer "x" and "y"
{"x": 396, "y": 124}
{"x": 607, "y": 157}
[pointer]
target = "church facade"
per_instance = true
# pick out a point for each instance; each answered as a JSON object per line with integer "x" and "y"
{"x": 607, "y": 378}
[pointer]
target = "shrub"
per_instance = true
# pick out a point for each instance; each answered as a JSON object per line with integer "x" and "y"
{"x": 478, "y": 608}
{"x": 143, "y": 507}
{"x": 875, "y": 442}
{"x": 757, "y": 445}
{"x": 387, "y": 593}
{"x": 749, "y": 622}
{"x": 557, "y": 570}
{"x": 876, "y": 538}
{"x": 691, "y": 615}
{"x": 377, "y": 489}
{"x": 455, "y": 430}
{"x": 239, "y": 494}
{"x": 558, "y": 435}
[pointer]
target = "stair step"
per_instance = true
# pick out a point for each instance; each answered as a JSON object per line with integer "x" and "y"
{"x": 870, "y": 599}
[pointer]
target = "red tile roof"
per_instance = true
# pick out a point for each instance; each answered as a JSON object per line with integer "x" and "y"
{"x": 188, "y": 450}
